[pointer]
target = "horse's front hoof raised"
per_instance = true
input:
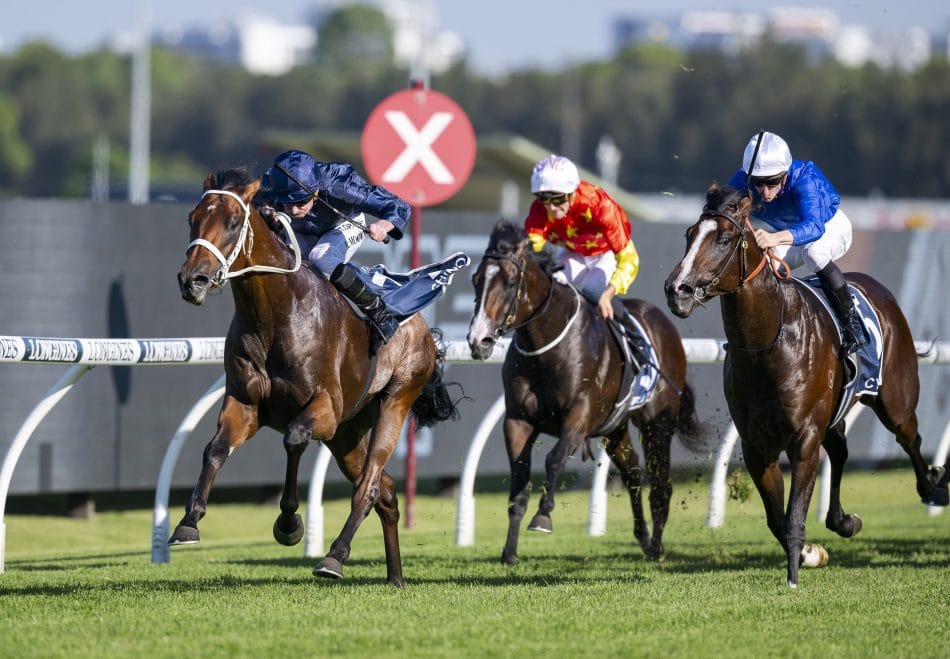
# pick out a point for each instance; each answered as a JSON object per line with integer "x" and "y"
{"x": 184, "y": 535}
{"x": 289, "y": 538}
{"x": 329, "y": 568}
{"x": 814, "y": 556}
{"x": 541, "y": 523}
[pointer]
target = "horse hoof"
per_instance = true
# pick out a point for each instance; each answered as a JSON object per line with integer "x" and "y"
{"x": 184, "y": 535}
{"x": 289, "y": 538}
{"x": 541, "y": 523}
{"x": 329, "y": 568}
{"x": 655, "y": 553}
{"x": 814, "y": 556}
{"x": 509, "y": 560}
{"x": 852, "y": 526}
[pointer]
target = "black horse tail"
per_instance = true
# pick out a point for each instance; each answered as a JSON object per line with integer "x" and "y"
{"x": 435, "y": 404}
{"x": 692, "y": 433}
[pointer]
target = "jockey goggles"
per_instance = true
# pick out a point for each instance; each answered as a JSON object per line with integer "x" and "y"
{"x": 552, "y": 198}
{"x": 766, "y": 181}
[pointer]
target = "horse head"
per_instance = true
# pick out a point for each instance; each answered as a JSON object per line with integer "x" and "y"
{"x": 719, "y": 249}
{"x": 220, "y": 225}
{"x": 499, "y": 284}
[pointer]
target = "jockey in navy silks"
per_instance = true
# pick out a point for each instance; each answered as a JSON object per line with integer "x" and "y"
{"x": 327, "y": 203}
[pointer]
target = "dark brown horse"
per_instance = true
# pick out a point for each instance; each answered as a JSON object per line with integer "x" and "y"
{"x": 783, "y": 377}
{"x": 561, "y": 376}
{"x": 296, "y": 359}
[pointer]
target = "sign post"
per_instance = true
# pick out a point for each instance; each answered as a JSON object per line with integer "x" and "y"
{"x": 418, "y": 144}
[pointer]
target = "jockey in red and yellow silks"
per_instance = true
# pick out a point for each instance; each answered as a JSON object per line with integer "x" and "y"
{"x": 598, "y": 255}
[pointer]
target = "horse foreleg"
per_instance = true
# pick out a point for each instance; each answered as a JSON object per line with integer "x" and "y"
{"x": 624, "y": 456}
{"x": 554, "y": 465}
{"x": 657, "y": 451}
{"x": 804, "y": 471}
{"x": 236, "y": 422}
{"x": 837, "y": 519}
{"x": 519, "y": 440}
{"x": 289, "y": 528}
{"x": 767, "y": 477}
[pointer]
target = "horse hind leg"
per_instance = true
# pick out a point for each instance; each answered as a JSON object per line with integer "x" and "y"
{"x": 656, "y": 446}
{"x": 625, "y": 458}
{"x": 289, "y": 528}
{"x": 837, "y": 520}
{"x": 388, "y": 510}
{"x": 931, "y": 484}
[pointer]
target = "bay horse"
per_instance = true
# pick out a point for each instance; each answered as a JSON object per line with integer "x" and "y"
{"x": 783, "y": 377}
{"x": 561, "y": 376}
{"x": 296, "y": 360}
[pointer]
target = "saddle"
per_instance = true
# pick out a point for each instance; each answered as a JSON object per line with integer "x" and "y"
{"x": 640, "y": 373}
{"x": 863, "y": 366}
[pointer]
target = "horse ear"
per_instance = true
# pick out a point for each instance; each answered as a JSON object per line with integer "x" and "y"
{"x": 711, "y": 191}
{"x": 745, "y": 202}
{"x": 251, "y": 189}
{"x": 209, "y": 182}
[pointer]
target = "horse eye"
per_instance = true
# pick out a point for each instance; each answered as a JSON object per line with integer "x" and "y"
{"x": 233, "y": 222}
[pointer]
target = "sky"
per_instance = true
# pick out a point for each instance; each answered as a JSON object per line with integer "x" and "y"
{"x": 500, "y": 34}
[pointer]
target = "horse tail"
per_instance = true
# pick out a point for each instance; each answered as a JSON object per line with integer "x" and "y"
{"x": 691, "y": 431}
{"x": 434, "y": 403}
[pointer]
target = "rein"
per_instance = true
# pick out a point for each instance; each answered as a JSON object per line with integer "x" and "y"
{"x": 220, "y": 278}
{"x": 512, "y": 311}
{"x": 767, "y": 256}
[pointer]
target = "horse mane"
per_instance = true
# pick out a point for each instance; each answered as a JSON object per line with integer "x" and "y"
{"x": 507, "y": 237}
{"x": 234, "y": 177}
{"x": 723, "y": 197}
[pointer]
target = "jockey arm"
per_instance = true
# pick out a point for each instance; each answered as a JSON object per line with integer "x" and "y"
{"x": 628, "y": 265}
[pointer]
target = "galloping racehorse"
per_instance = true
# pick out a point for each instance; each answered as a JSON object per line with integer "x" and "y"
{"x": 296, "y": 359}
{"x": 783, "y": 377}
{"x": 562, "y": 375}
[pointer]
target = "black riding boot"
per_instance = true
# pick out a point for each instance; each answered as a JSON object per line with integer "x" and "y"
{"x": 636, "y": 340}
{"x": 381, "y": 321}
{"x": 835, "y": 286}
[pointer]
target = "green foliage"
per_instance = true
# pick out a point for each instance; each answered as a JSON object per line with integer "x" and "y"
{"x": 679, "y": 118}
{"x": 78, "y": 588}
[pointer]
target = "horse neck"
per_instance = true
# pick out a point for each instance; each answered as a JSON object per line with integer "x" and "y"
{"x": 752, "y": 316}
{"x": 267, "y": 299}
{"x": 548, "y": 307}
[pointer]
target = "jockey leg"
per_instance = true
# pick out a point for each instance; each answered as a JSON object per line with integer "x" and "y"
{"x": 636, "y": 340}
{"x": 835, "y": 287}
{"x": 381, "y": 321}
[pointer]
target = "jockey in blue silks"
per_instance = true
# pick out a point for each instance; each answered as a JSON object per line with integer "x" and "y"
{"x": 798, "y": 217}
{"x": 327, "y": 204}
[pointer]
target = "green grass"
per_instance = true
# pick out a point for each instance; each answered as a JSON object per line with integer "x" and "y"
{"x": 76, "y": 588}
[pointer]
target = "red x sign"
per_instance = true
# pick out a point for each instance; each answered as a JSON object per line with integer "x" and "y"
{"x": 420, "y": 145}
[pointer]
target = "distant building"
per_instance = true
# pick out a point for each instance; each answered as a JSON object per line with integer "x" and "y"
{"x": 819, "y": 31}
{"x": 264, "y": 46}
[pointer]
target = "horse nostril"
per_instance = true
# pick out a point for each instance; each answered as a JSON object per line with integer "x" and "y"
{"x": 684, "y": 290}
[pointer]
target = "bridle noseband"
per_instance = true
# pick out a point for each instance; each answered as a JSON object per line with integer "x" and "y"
{"x": 219, "y": 278}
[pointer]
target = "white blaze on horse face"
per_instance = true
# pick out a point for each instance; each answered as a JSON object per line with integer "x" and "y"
{"x": 481, "y": 325}
{"x": 686, "y": 265}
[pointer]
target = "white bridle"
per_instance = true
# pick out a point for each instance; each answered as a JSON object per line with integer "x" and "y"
{"x": 247, "y": 234}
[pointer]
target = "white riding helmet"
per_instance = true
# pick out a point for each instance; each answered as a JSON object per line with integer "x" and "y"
{"x": 555, "y": 174}
{"x": 773, "y": 158}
